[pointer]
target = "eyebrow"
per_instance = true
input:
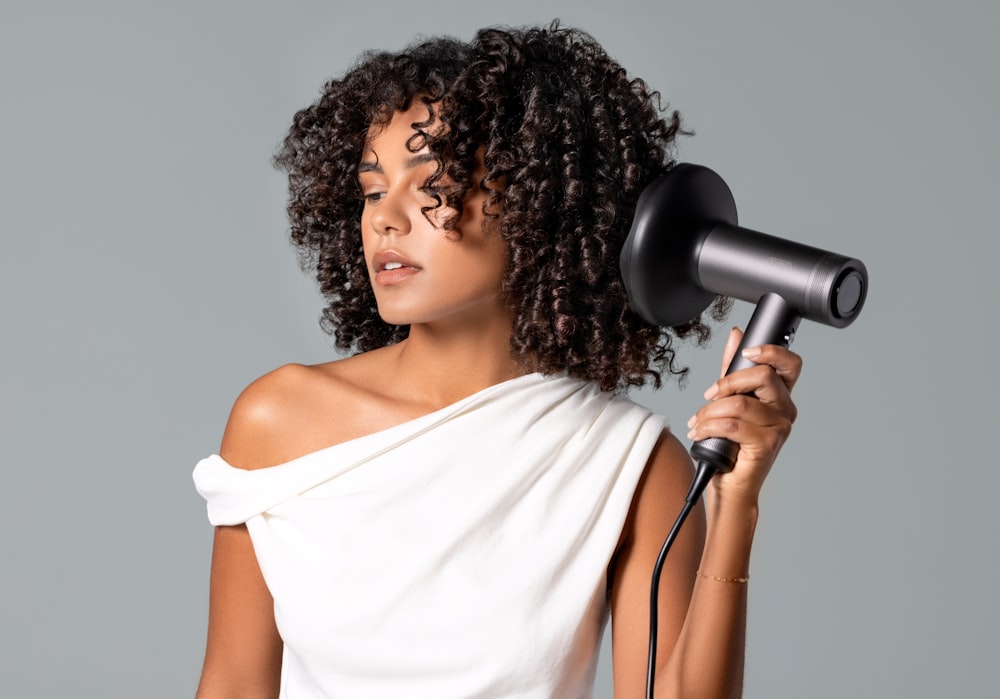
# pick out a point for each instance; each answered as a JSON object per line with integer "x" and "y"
{"x": 411, "y": 162}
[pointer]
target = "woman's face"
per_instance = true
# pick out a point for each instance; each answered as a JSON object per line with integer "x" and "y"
{"x": 420, "y": 271}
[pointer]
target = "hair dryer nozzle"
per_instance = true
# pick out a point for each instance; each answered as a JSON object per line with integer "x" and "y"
{"x": 685, "y": 248}
{"x": 659, "y": 259}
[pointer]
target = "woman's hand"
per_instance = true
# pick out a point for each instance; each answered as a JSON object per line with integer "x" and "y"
{"x": 752, "y": 407}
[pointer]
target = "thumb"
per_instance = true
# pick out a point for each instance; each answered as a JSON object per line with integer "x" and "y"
{"x": 732, "y": 342}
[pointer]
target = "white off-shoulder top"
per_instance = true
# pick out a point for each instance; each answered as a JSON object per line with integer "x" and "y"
{"x": 461, "y": 554}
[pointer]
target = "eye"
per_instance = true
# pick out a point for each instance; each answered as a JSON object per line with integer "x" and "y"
{"x": 372, "y": 197}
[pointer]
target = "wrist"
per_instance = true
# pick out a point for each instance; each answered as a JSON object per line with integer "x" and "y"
{"x": 722, "y": 499}
{"x": 732, "y": 523}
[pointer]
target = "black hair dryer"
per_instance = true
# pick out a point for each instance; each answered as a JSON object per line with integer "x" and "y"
{"x": 685, "y": 248}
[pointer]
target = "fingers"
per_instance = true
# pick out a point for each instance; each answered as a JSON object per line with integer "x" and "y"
{"x": 760, "y": 432}
{"x": 760, "y": 383}
{"x": 740, "y": 417}
{"x": 783, "y": 363}
{"x": 751, "y": 399}
{"x": 786, "y": 364}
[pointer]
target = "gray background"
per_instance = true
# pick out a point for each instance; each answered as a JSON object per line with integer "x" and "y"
{"x": 145, "y": 279}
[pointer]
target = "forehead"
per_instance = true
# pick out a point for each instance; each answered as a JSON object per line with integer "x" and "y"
{"x": 403, "y": 128}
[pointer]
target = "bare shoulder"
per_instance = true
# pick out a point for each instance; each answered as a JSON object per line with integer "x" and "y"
{"x": 297, "y": 409}
{"x": 665, "y": 482}
{"x": 261, "y": 427}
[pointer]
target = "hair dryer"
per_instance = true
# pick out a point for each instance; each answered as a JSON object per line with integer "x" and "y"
{"x": 685, "y": 248}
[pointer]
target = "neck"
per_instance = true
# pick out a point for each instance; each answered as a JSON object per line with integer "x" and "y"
{"x": 445, "y": 364}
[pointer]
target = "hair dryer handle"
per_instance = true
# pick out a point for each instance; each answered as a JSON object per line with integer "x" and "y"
{"x": 773, "y": 322}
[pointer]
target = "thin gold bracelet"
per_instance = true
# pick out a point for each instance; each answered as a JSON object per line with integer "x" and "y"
{"x": 723, "y": 580}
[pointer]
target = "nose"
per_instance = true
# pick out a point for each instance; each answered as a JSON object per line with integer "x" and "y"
{"x": 391, "y": 214}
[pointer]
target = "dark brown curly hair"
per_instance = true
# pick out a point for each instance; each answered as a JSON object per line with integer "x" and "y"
{"x": 568, "y": 139}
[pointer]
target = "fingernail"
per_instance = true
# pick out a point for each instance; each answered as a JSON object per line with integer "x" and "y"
{"x": 692, "y": 421}
{"x": 751, "y": 352}
{"x": 690, "y": 434}
{"x": 710, "y": 393}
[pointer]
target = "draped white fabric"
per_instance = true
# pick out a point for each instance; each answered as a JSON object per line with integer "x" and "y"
{"x": 461, "y": 554}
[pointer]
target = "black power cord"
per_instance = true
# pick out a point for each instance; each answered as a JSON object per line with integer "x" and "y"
{"x": 703, "y": 474}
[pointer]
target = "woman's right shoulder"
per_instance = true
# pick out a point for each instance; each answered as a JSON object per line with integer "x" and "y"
{"x": 286, "y": 413}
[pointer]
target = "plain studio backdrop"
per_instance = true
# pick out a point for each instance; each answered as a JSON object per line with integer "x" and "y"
{"x": 145, "y": 279}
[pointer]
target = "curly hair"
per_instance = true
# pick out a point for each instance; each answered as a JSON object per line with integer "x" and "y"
{"x": 568, "y": 139}
{"x": 321, "y": 153}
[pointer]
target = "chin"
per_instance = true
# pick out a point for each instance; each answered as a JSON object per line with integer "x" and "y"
{"x": 396, "y": 316}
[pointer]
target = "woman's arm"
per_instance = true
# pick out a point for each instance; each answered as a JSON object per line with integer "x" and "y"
{"x": 703, "y": 593}
{"x": 243, "y": 652}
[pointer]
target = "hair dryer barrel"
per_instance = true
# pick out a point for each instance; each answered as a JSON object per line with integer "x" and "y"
{"x": 822, "y": 286}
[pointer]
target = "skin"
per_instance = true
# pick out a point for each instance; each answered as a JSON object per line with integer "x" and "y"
{"x": 458, "y": 345}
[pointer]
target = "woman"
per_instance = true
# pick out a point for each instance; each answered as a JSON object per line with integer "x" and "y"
{"x": 453, "y": 510}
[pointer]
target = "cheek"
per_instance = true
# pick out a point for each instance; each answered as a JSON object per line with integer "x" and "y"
{"x": 368, "y": 239}
{"x": 492, "y": 260}
{"x": 440, "y": 217}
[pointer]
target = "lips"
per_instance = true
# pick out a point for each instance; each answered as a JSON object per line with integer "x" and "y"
{"x": 392, "y": 268}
